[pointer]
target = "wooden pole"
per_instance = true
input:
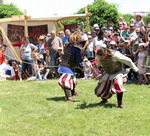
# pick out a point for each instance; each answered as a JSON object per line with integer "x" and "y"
{"x": 87, "y": 19}
{"x": 57, "y": 30}
{"x": 59, "y": 24}
{"x": 10, "y": 45}
{"x": 25, "y": 23}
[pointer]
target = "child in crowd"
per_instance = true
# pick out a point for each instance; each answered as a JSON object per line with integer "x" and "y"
{"x": 96, "y": 73}
{"x": 59, "y": 54}
{"x": 16, "y": 68}
{"x": 86, "y": 68}
{"x": 35, "y": 63}
{"x": 43, "y": 70}
{"x": 139, "y": 21}
{"x": 141, "y": 62}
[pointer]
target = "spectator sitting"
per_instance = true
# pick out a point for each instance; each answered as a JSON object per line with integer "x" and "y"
{"x": 16, "y": 68}
{"x": 43, "y": 71}
{"x": 6, "y": 71}
{"x": 86, "y": 68}
{"x": 59, "y": 54}
{"x": 96, "y": 73}
{"x": 35, "y": 64}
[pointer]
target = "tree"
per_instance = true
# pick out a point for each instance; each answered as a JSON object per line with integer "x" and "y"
{"x": 102, "y": 13}
{"x": 146, "y": 19}
{"x": 127, "y": 18}
{"x": 7, "y": 10}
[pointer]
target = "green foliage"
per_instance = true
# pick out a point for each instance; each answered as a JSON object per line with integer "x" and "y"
{"x": 146, "y": 19}
{"x": 7, "y": 10}
{"x": 40, "y": 109}
{"x": 102, "y": 13}
{"x": 127, "y": 18}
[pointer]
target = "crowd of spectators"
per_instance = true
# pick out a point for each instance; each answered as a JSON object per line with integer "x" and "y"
{"x": 42, "y": 60}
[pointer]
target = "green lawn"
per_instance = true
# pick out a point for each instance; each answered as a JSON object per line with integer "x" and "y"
{"x": 40, "y": 109}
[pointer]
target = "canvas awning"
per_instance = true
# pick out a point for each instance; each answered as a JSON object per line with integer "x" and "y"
{"x": 53, "y": 18}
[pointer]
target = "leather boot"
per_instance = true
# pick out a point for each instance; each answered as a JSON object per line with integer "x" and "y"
{"x": 104, "y": 101}
{"x": 70, "y": 99}
{"x": 120, "y": 105}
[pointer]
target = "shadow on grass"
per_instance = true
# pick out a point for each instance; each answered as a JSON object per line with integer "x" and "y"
{"x": 62, "y": 98}
{"x": 92, "y": 105}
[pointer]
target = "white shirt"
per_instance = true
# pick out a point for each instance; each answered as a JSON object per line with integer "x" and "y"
{"x": 4, "y": 67}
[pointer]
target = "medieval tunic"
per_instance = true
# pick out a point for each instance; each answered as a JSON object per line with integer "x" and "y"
{"x": 69, "y": 60}
{"x": 112, "y": 80}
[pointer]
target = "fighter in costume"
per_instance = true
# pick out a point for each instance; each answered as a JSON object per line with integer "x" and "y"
{"x": 69, "y": 61}
{"x": 114, "y": 75}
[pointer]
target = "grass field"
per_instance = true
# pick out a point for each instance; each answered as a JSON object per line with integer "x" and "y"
{"x": 40, "y": 109}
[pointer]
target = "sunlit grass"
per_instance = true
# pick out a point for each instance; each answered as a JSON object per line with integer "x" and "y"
{"x": 40, "y": 109}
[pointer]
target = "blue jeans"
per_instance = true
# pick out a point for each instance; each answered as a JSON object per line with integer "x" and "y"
{"x": 53, "y": 60}
{"x": 26, "y": 65}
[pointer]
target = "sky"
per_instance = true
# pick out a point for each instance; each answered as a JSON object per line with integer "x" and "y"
{"x": 48, "y": 8}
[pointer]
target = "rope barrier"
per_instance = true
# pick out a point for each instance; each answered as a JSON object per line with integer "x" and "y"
{"x": 28, "y": 62}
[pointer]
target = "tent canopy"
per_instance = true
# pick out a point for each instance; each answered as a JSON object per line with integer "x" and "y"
{"x": 53, "y": 18}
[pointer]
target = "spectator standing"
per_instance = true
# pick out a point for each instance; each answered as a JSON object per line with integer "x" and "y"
{"x": 27, "y": 49}
{"x": 42, "y": 46}
{"x": 99, "y": 41}
{"x": 121, "y": 20}
{"x": 141, "y": 62}
{"x": 89, "y": 52}
{"x": 65, "y": 39}
{"x": 133, "y": 39}
{"x": 61, "y": 34}
{"x": 2, "y": 50}
{"x": 53, "y": 44}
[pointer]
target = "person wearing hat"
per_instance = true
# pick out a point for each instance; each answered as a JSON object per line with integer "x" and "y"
{"x": 96, "y": 73}
{"x": 47, "y": 37}
{"x": 139, "y": 21}
{"x": 112, "y": 44}
{"x": 124, "y": 34}
{"x": 95, "y": 26}
{"x": 114, "y": 76}
{"x": 43, "y": 70}
{"x": 104, "y": 29}
{"x": 87, "y": 68}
